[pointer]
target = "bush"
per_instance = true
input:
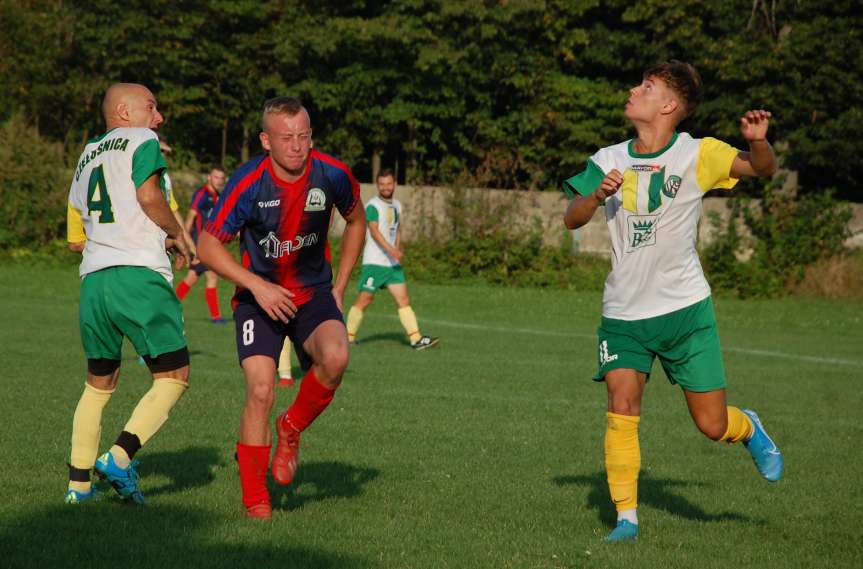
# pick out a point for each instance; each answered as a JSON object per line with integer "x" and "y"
{"x": 34, "y": 185}
{"x": 787, "y": 234}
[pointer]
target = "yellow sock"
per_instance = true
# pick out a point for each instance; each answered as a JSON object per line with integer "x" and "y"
{"x": 622, "y": 460}
{"x": 86, "y": 431}
{"x": 739, "y": 426}
{"x": 152, "y": 411}
{"x": 285, "y": 360}
{"x": 355, "y": 318}
{"x": 409, "y": 321}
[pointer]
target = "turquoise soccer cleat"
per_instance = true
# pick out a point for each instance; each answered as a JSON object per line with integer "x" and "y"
{"x": 75, "y": 497}
{"x": 625, "y": 531}
{"x": 124, "y": 480}
{"x": 764, "y": 451}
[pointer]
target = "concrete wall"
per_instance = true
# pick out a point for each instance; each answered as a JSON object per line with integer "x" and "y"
{"x": 425, "y": 212}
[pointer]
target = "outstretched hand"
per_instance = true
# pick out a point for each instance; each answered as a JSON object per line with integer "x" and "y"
{"x": 753, "y": 125}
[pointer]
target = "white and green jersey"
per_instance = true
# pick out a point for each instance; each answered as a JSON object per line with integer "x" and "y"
{"x": 387, "y": 214}
{"x": 653, "y": 221}
{"x": 104, "y": 197}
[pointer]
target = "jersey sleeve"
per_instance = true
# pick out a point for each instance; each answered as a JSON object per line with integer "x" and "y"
{"x": 231, "y": 212}
{"x": 585, "y": 182}
{"x": 196, "y": 200}
{"x": 347, "y": 192}
{"x": 74, "y": 226}
{"x": 714, "y": 165}
{"x": 372, "y": 213}
{"x": 147, "y": 160}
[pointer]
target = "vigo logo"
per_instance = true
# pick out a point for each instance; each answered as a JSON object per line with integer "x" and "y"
{"x": 271, "y": 203}
{"x": 274, "y": 248}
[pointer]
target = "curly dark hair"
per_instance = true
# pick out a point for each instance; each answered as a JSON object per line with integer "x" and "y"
{"x": 682, "y": 78}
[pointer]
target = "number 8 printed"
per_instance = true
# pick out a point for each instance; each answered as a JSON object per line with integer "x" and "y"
{"x": 248, "y": 332}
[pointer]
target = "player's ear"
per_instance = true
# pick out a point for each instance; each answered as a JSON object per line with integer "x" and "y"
{"x": 265, "y": 141}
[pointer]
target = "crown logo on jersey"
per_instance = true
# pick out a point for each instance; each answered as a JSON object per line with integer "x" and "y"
{"x": 316, "y": 200}
{"x": 642, "y": 225}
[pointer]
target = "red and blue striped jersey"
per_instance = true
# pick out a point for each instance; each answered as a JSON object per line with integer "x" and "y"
{"x": 203, "y": 201}
{"x": 283, "y": 225}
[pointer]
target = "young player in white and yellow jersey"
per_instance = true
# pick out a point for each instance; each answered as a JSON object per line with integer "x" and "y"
{"x": 119, "y": 211}
{"x": 657, "y": 302}
{"x": 382, "y": 263}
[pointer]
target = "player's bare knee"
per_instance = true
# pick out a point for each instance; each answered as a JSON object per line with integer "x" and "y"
{"x": 261, "y": 394}
{"x": 712, "y": 429}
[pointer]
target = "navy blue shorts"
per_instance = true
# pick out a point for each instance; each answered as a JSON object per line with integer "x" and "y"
{"x": 199, "y": 268}
{"x": 260, "y": 335}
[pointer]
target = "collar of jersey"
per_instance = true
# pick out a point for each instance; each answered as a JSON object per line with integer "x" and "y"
{"x": 101, "y": 136}
{"x": 634, "y": 154}
{"x": 297, "y": 185}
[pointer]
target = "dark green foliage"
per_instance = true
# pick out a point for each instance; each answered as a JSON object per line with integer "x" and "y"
{"x": 34, "y": 183}
{"x": 786, "y": 234}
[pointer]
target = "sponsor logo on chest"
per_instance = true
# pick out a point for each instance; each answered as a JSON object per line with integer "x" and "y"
{"x": 274, "y": 247}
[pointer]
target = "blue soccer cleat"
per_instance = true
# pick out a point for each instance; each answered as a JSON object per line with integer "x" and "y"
{"x": 625, "y": 531}
{"x": 75, "y": 497}
{"x": 764, "y": 451}
{"x": 124, "y": 480}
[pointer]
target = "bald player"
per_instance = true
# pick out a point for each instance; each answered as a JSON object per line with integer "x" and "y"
{"x": 118, "y": 213}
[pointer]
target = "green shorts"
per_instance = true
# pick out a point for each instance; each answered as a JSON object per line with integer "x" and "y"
{"x": 378, "y": 276}
{"x": 135, "y": 302}
{"x": 686, "y": 342}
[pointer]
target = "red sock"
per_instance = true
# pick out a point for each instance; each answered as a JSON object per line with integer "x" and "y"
{"x": 253, "y": 461}
{"x": 182, "y": 290}
{"x": 311, "y": 401}
{"x": 212, "y": 296}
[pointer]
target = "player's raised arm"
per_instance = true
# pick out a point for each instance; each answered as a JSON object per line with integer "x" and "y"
{"x": 760, "y": 161}
{"x": 582, "y": 208}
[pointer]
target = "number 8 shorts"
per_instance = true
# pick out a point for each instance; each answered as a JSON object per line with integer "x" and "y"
{"x": 260, "y": 335}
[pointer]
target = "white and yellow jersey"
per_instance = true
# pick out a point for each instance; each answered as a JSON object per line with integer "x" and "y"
{"x": 387, "y": 214}
{"x": 103, "y": 204}
{"x": 653, "y": 221}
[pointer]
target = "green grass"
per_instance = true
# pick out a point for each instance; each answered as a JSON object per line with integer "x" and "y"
{"x": 486, "y": 452}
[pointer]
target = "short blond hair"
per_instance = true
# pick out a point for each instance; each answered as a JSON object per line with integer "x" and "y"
{"x": 289, "y": 106}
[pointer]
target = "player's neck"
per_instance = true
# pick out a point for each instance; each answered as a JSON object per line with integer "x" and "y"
{"x": 388, "y": 200}
{"x": 289, "y": 176}
{"x": 652, "y": 138}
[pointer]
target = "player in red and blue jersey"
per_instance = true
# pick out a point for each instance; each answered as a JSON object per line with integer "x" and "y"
{"x": 203, "y": 201}
{"x": 281, "y": 204}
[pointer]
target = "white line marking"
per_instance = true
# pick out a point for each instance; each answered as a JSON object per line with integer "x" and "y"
{"x": 535, "y": 332}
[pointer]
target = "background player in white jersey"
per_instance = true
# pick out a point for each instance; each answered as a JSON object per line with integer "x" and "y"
{"x": 118, "y": 208}
{"x": 382, "y": 268}
{"x": 657, "y": 302}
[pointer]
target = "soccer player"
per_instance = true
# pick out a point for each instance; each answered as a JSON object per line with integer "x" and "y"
{"x": 657, "y": 302}
{"x": 203, "y": 201}
{"x": 281, "y": 204}
{"x": 382, "y": 263}
{"x": 119, "y": 213}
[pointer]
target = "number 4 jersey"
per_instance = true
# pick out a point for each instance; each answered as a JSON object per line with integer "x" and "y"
{"x": 103, "y": 202}
{"x": 653, "y": 221}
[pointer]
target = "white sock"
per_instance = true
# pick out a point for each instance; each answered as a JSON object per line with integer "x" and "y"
{"x": 629, "y": 515}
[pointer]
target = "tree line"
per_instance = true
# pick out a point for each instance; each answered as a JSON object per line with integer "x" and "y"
{"x": 507, "y": 93}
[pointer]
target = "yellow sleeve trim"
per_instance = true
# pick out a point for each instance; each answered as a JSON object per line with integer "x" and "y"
{"x": 714, "y": 165}
{"x": 173, "y": 203}
{"x": 74, "y": 226}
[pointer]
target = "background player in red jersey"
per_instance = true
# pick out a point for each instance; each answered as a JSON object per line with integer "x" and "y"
{"x": 203, "y": 201}
{"x": 281, "y": 204}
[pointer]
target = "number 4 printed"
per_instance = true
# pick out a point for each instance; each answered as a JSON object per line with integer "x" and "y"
{"x": 98, "y": 198}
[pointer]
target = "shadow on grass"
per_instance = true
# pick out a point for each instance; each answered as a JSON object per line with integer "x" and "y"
{"x": 652, "y": 492}
{"x": 317, "y": 481}
{"x": 188, "y": 468}
{"x": 397, "y": 337}
{"x": 110, "y": 534}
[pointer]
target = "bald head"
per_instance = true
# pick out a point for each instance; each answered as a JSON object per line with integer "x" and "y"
{"x": 130, "y": 105}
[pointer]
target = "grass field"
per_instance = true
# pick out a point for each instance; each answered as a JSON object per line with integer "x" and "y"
{"x": 486, "y": 452}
